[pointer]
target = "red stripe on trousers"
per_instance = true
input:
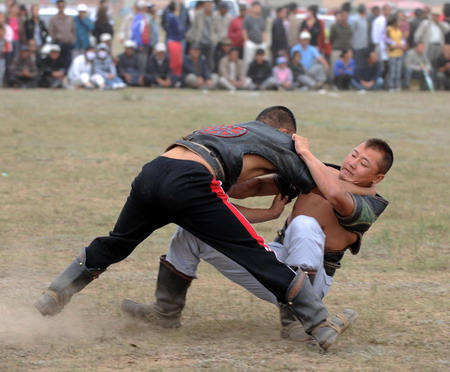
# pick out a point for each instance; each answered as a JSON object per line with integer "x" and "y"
{"x": 217, "y": 189}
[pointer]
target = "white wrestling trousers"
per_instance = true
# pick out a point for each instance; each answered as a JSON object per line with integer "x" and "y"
{"x": 303, "y": 246}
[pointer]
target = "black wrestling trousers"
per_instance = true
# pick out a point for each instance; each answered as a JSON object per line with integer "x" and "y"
{"x": 185, "y": 193}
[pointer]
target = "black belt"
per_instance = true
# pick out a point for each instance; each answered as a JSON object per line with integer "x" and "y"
{"x": 209, "y": 156}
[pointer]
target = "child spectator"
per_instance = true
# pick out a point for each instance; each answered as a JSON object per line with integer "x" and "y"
{"x": 52, "y": 73}
{"x": 105, "y": 73}
{"x": 344, "y": 69}
{"x": 128, "y": 65}
{"x": 396, "y": 46}
{"x": 283, "y": 74}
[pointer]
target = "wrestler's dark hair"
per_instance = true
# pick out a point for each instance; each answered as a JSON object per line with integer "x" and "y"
{"x": 278, "y": 117}
{"x": 381, "y": 146}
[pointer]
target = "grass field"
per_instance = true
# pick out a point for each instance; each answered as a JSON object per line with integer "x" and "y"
{"x": 67, "y": 160}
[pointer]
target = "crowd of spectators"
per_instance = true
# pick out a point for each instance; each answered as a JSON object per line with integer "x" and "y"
{"x": 207, "y": 48}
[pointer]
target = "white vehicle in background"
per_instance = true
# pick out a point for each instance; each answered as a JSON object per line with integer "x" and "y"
{"x": 233, "y": 7}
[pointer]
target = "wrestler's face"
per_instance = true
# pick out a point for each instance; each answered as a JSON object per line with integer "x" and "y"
{"x": 360, "y": 167}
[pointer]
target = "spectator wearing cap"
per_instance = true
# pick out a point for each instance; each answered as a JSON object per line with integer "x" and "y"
{"x": 344, "y": 69}
{"x": 340, "y": 37}
{"x": 35, "y": 28}
{"x": 175, "y": 35}
{"x": 283, "y": 74}
{"x": 196, "y": 72}
{"x": 23, "y": 71}
{"x": 369, "y": 76}
{"x": 254, "y": 32}
{"x": 223, "y": 48}
{"x": 232, "y": 74}
{"x": 128, "y": 65}
{"x": 153, "y": 29}
{"x": 102, "y": 25}
{"x": 279, "y": 34}
{"x": 260, "y": 72}
{"x": 105, "y": 72}
{"x": 158, "y": 72}
{"x": 82, "y": 70}
{"x": 52, "y": 69}
{"x": 83, "y": 29}
{"x": 203, "y": 32}
{"x": 432, "y": 32}
{"x": 61, "y": 28}
{"x": 235, "y": 29}
{"x": 316, "y": 67}
{"x": 360, "y": 32}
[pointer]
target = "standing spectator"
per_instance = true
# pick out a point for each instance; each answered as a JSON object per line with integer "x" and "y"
{"x": 82, "y": 69}
{"x": 260, "y": 72}
{"x": 153, "y": 26}
{"x": 254, "y": 32}
{"x": 52, "y": 69}
{"x": 158, "y": 72}
{"x": 235, "y": 30}
{"x": 432, "y": 32}
{"x": 378, "y": 36}
{"x": 183, "y": 17}
{"x": 369, "y": 76}
{"x": 279, "y": 34}
{"x": 222, "y": 20}
{"x": 14, "y": 23}
{"x": 414, "y": 25}
{"x": 105, "y": 72}
{"x": 443, "y": 68}
{"x": 3, "y": 45}
{"x": 196, "y": 71}
{"x": 62, "y": 30}
{"x": 344, "y": 69}
{"x": 128, "y": 65}
{"x": 23, "y": 71}
{"x": 232, "y": 72}
{"x": 316, "y": 67}
{"x": 360, "y": 32}
{"x": 294, "y": 24}
{"x": 83, "y": 29}
{"x": 396, "y": 47}
{"x": 340, "y": 37}
{"x": 9, "y": 37}
{"x": 35, "y": 28}
{"x": 125, "y": 27}
{"x": 175, "y": 35}
{"x": 446, "y": 11}
{"x": 102, "y": 25}
{"x": 23, "y": 18}
{"x": 404, "y": 27}
{"x": 417, "y": 66}
{"x": 283, "y": 74}
{"x": 315, "y": 27}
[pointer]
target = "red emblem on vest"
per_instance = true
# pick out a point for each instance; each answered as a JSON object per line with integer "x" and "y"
{"x": 226, "y": 131}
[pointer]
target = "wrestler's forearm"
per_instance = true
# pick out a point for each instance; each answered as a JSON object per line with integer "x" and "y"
{"x": 256, "y": 215}
{"x": 259, "y": 186}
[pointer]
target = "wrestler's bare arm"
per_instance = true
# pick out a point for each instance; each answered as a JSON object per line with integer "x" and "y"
{"x": 256, "y": 215}
{"x": 258, "y": 186}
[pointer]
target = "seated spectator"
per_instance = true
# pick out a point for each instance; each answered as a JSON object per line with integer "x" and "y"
{"x": 158, "y": 72}
{"x": 128, "y": 65}
{"x": 283, "y": 74}
{"x": 105, "y": 73}
{"x": 222, "y": 50}
{"x": 196, "y": 73}
{"x": 301, "y": 79}
{"x": 23, "y": 71}
{"x": 443, "y": 68}
{"x": 417, "y": 66}
{"x": 52, "y": 69}
{"x": 81, "y": 70}
{"x": 35, "y": 53}
{"x": 232, "y": 72}
{"x": 369, "y": 76}
{"x": 260, "y": 72}
{"x": 316, "y": 67}
{"x": 344, "y": 69}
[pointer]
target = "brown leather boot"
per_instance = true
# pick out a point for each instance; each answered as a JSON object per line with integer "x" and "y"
{"x": 170, "y": 293}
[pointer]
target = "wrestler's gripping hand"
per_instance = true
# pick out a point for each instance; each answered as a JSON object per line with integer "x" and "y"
{"x": 278, "y": 204}
{"x": 301, "y": 144}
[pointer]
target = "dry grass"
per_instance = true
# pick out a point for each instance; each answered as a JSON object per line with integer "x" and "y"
{"x": 67, "y": 159}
